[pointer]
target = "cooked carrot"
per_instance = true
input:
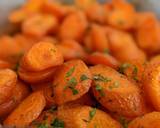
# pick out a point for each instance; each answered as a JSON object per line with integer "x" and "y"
{"x": 147, "y": 33}
{"x": 72, "y": 80}
{"x": 87, "y": 42}
{"x": 73, "y": 26}
{"x": 123, "y": 47}
{"x": 85, "y": 117}
{"x": 116, "y": 93}
{"x": 84, "y": 4}
{"x": 27, "y": 111}
{"x": 151, "y": 84}
{"x": 99, "y": 39}
{"x": 39, "y": 25}
{"x": 71, "y": 50}
{"x": 9, "y": 50}
{"x": 41, "y": 56}
{"x": 155, "y": 60}
{"x": 36, "y": 77}
{"x": 150, "y": 120}
{"x": 20, "y": 92}
{"x": 122, "y": 15}
{"x": 102, "y": 58}
{"x": 99, "y": 14}
{"x": 8, "y": 80}
{"x": 133, "y": 70}
{"x": 5, "y": 64}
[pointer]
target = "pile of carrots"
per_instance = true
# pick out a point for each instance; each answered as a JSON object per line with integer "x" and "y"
{"x": 81, "y": 65}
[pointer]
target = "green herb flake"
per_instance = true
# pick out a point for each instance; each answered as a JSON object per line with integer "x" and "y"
{"x": 70, "y": 72}
{"x": 99, "y": 77}
{"x": 92, "y": 114}
{"x": 83, "y": 77}
{"x": 72, "y": 82}
{"x": 116, "y": 84}
{"x": 98, "y": 88}
{"x": 123, "y": 67}
{"x": 135, "y": 70}
{"x": 42, "y": 125}
{"x": 74, "y": 91}
{"x": 124, "y": 122}
{"x": 16, "y": 67}
{"x": 57, "y": 123}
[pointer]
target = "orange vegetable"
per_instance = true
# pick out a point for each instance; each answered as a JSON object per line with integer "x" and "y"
{"x": 102, "y": 58}
{"x": 8, "y": 80}
{"x": 116, "y": 93}
{"x": 4, "y": 64}
{"x": 27, "y": 111}
{"x": 41, "y": 56}
{"x": 72, "y": 80}
{"x": 73, "y": 26}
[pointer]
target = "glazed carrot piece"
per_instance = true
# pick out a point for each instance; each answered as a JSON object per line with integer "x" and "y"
{"x": 41, "y": 56}
{"x": 84, "y": 4}
{"x": 39, "y": 25}
{"x": 71, "y": 49}
{"x": 99, "y": 15}
{"x": 8, "y": 80}
{"x": 151, "y": 84}
{"x": 123, "y": 47}
{"x": 133, "y": 70}
{"x": 29, "y": 109}
{"x": 150, "y": 42}
{"x": 102, "y": 58}
{"x": 20, "y": 92}
{"x": 73, "y": 26}
{"x": 5, "y": 64}
{"x": 116, "y": 93}
{"x": 99, "y": 39}
{"x": 85, "y": 117}
{"x": 36, "y": 77}
{"x": 122, "y": 15}
{"x": 72, "y": 80}
{"x": 87, "y": 42}
{"x": 155, "y": 60}
{"x": 147, "y": 121}
{"x": 9, "y": 50}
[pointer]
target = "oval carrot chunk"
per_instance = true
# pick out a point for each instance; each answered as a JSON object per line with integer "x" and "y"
{"x": 151, "y": 84}
{"x": 27, "y": 111}
{"x": 101, "y": 58}
{"x": 41, "y": 56}
{"x": 116, "y": 93}
{"x": 123, "y": 47}
{"x": 36, "y": 77}
{"x": 85, "y": 117}
{"x": 8, "y": 79}
{"x": 39, "y": 25}
{"x": 72, "y": 80}
{"x": 147, "y": 121}
{"x": 19, "y": 93}
{"x": 73, "y": 26}
{"x": 71, "y": 50}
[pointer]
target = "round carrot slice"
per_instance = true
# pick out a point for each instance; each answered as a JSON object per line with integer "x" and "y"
{"x": 101, "y": 58}
{"x": 116, "y": 93}
{"x": 27, "y": 111}
{"x": 8, "y": 80}
{"x": 72, "y": 80}
{"x": 36, "y": 77}
{"x": 20, "y": 92}
{"x": 151, "y": 83}
{"x": 71, "y": 50}
{"x": 150, "y": 120}
{"x": 85, "y": 117}
{"x": 41, "y": 56}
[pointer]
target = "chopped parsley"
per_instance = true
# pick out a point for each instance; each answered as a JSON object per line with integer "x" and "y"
{"x": 57, "y": 123}
{"x": 70, "y": 72}
{"x": 100, "y": 90}
{"x": 92, "y": 114}
{"x": 83, "y": 77}
{"x": 116, "y": 84}
{"x": 99, "y": 77}
{"x": 71, "y": 84}
{"x": 16, "y": 67}
{"x": 124, "y": 122}
{"x": 123, "y": 67}
{"x": 42, "y": 125}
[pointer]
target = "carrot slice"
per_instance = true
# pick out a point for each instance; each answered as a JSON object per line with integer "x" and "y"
{"x": 27, "y": 111}
{"x": 116, "y": 93}
{"x": 72, "y": 80}
{"x": 5, "y": 64}
{"x": 39, "y": 25}
{"x": 71, "y": 50}
{"x": 8, "y": 80}
{"x": 101, "y": 58}
{"x": 147, "y": 121}
{"x": 20, "y": 92}
{"x": 41, "y": 56}
{"x": 73, "y": 26}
